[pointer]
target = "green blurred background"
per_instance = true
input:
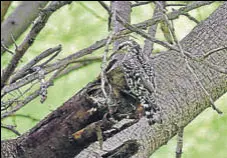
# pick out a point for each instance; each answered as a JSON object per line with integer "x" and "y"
{"x": 80, "y": 24}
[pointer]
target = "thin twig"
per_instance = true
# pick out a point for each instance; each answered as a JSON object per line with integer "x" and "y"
{"x": 204, "y": 56}
{"x": 166, "y": 20}
{"x": 27, "y": 42}
{"x": 20, "y": 105}
{"x": 10, "y": 102}
{"x": 14, "y": 41}
{"x": 171, "y": 16}
{"x": 7, "y": 104}
{"x": 67, "y": 70}
{"x": 103, "y": 4}
{"x": 175, "y": 5}
{"x": 26, "y": 116}
{"x": 31, "y": 96}
{"x": 191, "y": 18}
{"x": 11, "y": 128}
{"x": 6, "y": 49}
{"x": 23, "y": 71}
{"x": 140, "y": 3}
{"x": 145, "y": 35}
{"x": 48, "y": 69}
{"x": 201, "y": 85}
{"x": 91, "y": 59}
{"x": 103, "y": 67}
{"x": 54, "y": 76}
{"x": 51, "y": 58}
{"x": 93, "y": 12}
{"x": 179, "y": 147}
{"x": 207, "y": 54}
{"x": 79, "y": 64}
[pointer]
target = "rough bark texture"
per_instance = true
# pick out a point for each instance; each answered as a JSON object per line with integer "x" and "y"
{"x": 20, "y": 20}
{"x": 54, "y": 134}
{"x": 178, "y": 95}
{"x": 148, "y": 45}
{"x": 122, "y": 8}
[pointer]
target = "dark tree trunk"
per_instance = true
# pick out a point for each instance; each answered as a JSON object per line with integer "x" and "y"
{"x": 178, "y": 95}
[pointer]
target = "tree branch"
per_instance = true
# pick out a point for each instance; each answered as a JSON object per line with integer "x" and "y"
{"x": 101, "y": 43}
{"x": 123, "y": 9}
{"x": 103, "y": 4}
{"x": 191, "y": 18}
{"x": 10, "y": 128}
{"x": 4, "y": 7}
{"x": 23, "y": 71}
{"x": 31, "y": 97}
{"x": 90, "y": 49}
{"x": 148, "y": 45}
{"x": 140, "y": 3}
{"x": 19, "y": 20}
{"x": 177, "y": 93}
{"x": 29, "y": 39}
{"x": 48, "y": 69}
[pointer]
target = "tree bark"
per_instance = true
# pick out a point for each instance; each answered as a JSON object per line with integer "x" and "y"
{"x": 148, "y": 45}
{"x": 20, "y": 20}
{"x": 122, "y": 8}
{"x": 178, "y": 95}
{"x": 4, "y": 7}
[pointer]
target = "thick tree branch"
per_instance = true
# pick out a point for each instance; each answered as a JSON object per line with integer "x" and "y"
{"x": 4, "y": 7}
{"x": 20, "y": 20}
{"x": 178, "y": 95}
{"x": 122, "y": 8}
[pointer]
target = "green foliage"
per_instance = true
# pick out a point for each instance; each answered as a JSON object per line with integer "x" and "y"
{"x": 82, "y": 23}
